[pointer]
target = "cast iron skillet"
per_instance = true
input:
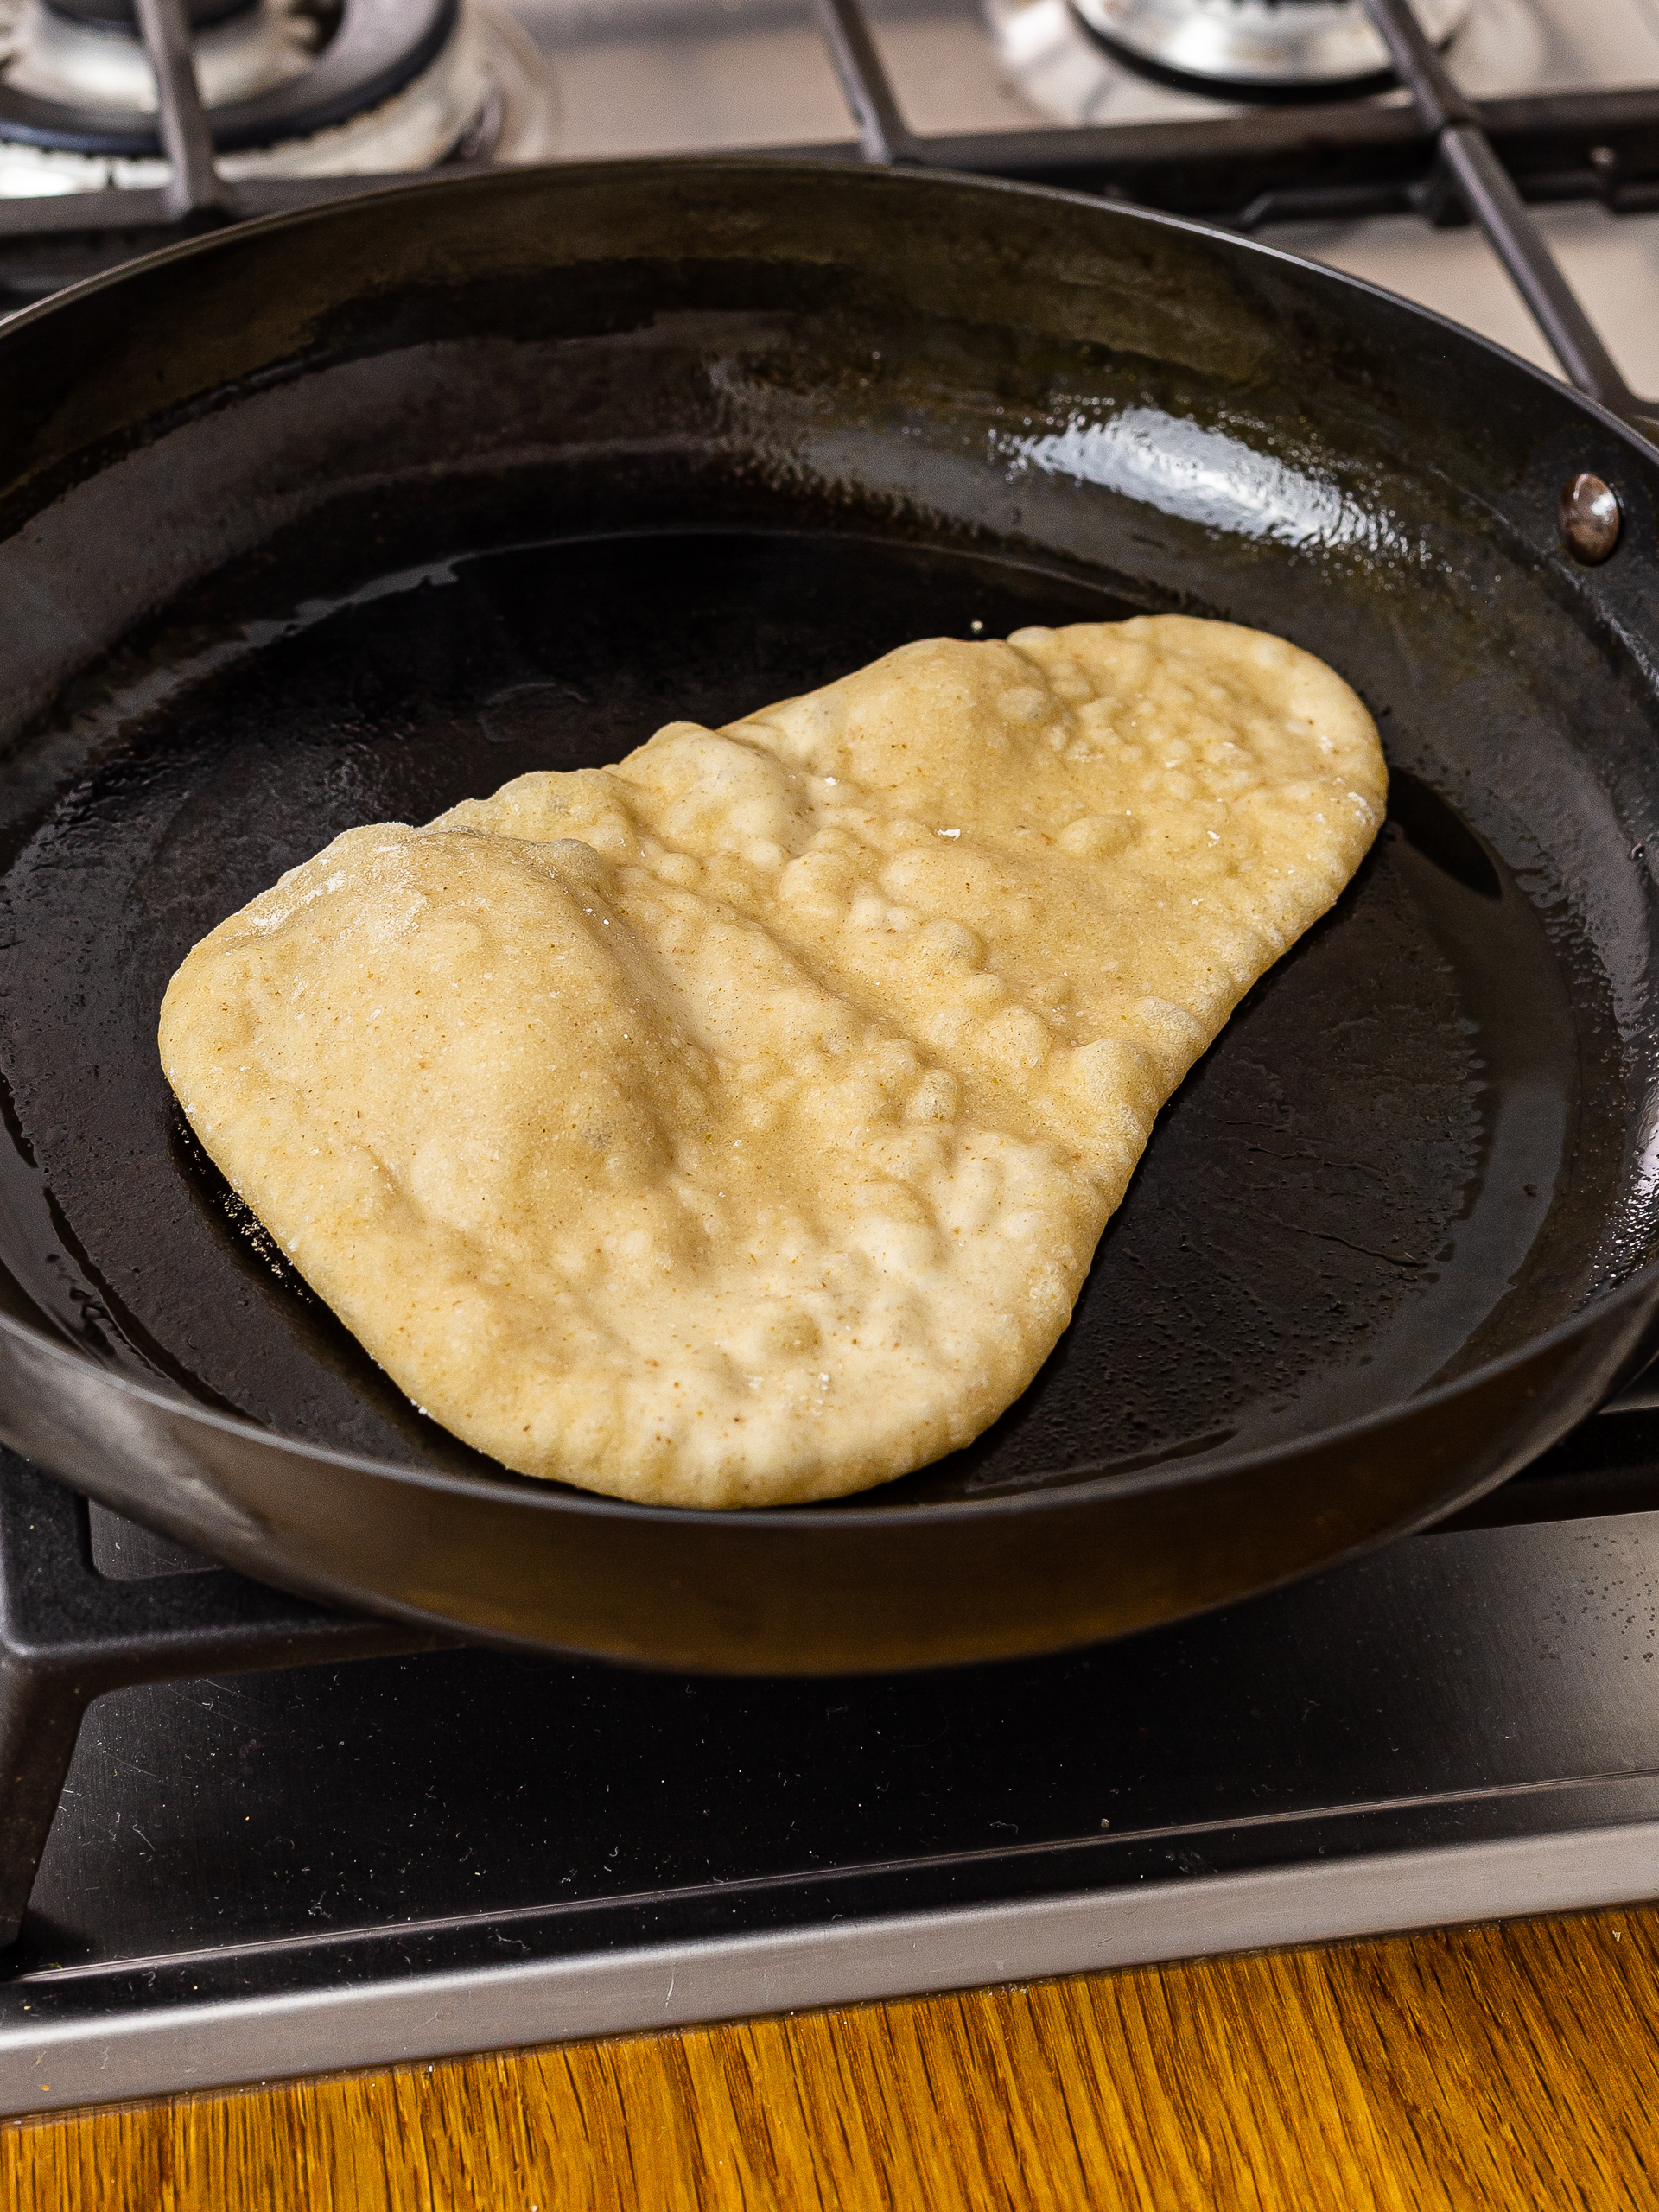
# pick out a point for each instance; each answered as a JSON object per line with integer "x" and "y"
{"x": 354, "y": 512}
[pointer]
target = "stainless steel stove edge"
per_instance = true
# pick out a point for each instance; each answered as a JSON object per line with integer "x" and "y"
{"x": 129, "y": 2053}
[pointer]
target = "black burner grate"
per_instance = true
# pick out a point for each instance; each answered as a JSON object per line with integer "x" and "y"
{"x": 71, "y": 1629}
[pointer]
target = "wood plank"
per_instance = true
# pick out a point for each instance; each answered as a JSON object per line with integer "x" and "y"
{"x": 1492, "y": 2066}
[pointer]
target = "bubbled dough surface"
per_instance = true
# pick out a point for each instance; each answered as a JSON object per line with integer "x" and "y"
{"x": 736, "y": 1125}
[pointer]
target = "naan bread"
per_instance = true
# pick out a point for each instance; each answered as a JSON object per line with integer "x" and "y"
{"x": 735, "y": 1126}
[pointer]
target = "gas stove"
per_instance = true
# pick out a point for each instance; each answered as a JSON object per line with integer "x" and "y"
{"x": 242, "y": 1837}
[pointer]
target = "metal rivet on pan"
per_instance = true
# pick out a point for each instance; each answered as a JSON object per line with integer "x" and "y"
{"x": 1590, "y": 518}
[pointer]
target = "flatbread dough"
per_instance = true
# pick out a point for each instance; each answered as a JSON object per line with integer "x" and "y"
{"x": 735, "y": 1126}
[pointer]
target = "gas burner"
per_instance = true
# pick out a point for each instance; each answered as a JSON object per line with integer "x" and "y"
{"x": 1070, "y": 73}
{"x": 1257, "y": 49}
{"x": 292, "y": 88}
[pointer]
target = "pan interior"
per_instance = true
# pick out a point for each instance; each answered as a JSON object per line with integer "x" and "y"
{"x": 1383, "y": 1171}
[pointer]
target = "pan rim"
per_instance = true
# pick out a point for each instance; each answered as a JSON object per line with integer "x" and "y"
{"x": 847, "y": 1513}
{"x": 871, "y": 175}
{"x": 552, "y": 1496}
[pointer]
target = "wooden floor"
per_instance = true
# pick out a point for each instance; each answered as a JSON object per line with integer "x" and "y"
{"x": 1493, "y": 2067}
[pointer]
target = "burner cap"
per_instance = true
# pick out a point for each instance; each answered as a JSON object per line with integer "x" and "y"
{"x": 1257, "y": 49}
{"x": 123, "y": 15}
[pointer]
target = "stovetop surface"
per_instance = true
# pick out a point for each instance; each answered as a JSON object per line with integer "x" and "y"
{"x": 268, "y": 1806}
{"x": 221, "y": 1815}
{"x": 230, "y": 1849}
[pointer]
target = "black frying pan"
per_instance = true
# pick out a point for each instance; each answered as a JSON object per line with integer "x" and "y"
{"x": 353, "y": 513}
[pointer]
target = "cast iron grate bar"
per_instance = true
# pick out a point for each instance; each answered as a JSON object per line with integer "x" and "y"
{"x": 1487, "y": 191}
{"x": 68, "y": 1634}
{"x": 883, "y": 134}
{"x": 194, "y": 188}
